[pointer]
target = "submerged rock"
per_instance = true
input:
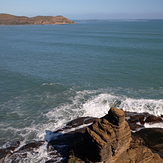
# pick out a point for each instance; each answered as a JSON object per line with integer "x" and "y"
{"x": 8, "y": 148}
{"x": 137, "y": 121}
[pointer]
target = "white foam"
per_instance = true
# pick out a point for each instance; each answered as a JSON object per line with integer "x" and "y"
{"x": 154, "y": 125}
{"x": 99, "y": 105}
{"x": 83, "y": 103}
{"x": 151, "y": 106}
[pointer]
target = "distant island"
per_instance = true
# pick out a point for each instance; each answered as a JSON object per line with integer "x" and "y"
{"x": 7, "y": 19}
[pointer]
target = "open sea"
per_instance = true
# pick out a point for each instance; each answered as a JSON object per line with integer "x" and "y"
{"x": 51, "y": 74}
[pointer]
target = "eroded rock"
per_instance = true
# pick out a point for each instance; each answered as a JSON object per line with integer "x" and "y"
{"x": 109, "y": 140}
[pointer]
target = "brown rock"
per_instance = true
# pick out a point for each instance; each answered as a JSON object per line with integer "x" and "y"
{"x": 153, "y": 119}
{"x": 153, "y": 138}
{"x": 108, "y": 136}
{"x": 32, "y": 145}
{"x": 108, "y": 140}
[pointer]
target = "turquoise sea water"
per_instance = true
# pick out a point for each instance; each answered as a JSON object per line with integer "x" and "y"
{"x": 50, "y": 74}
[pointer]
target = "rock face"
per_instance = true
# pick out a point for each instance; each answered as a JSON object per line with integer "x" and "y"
{"x": 109, "y": 140}
{"x": 108, "y": 136}
{"x": 6, "y": 19}
{"x": 153, "y": 138}
{"x": 93, "y": 140}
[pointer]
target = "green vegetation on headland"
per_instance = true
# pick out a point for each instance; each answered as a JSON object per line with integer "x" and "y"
{"x": 7, "y": 19}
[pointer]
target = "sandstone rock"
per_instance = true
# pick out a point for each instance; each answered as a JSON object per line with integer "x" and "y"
{"x": 21, "y": 155}
{"x": 136, "y": 121}
{"x": 108, "y": 136}
{"x": 80, "y": 121}
{"x": 8, "y": 148}
{"x": 140, "y": 118}
{"x": 32, "y": 145}
{"x": 109, "y": 140}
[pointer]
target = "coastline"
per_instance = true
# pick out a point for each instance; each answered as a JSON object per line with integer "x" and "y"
{"x": 7, "y": 19}
{"x": 67, "y": 144}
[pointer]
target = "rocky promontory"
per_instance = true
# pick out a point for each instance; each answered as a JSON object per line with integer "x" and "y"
{"x": 7, "y": 19}
{"x": 118, "y": 137}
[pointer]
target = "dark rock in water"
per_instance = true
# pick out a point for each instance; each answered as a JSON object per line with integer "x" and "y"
{"x": 32, "y": 145}
{"x": 137, "y": 120}
{"x": 22, "y": 153}
{"x": 61, "y": 143}
{"x": 80, "y": 121}
{"x": 153, "y": 119}
{"x": 109, "y": 140}
{"x": 108, "y": 136}
{"x": 8, "y": 148}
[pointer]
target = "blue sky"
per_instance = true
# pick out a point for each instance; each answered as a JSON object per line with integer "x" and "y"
{"x": 86, "y": 9}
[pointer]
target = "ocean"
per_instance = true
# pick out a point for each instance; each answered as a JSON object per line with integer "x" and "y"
{"x": 51, "y": 74}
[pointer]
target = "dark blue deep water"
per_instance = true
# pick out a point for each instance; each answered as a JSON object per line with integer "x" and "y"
{"x": 50, "y": 74}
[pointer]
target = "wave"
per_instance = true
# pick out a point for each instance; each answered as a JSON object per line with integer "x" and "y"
{"x": 94, "y": 103}
{"x": 44, "y": 111}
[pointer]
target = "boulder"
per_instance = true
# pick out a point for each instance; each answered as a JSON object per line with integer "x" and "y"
{"x": 153, "y": 119}
{"x": 22, "y": 154}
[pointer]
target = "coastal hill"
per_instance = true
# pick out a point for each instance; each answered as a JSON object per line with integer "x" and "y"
{"x": 7, "y": 19}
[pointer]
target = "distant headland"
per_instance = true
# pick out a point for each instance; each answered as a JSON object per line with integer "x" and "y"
{"x": 7, "y": 19}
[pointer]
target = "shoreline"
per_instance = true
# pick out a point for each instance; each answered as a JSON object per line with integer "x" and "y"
{"x": 67, "y": 138}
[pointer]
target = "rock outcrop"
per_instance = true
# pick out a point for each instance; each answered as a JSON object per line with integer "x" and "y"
{"x": 94, "y": 140}
{"x": 109, "y": 140}
{"x": 6, "y": 19}
{"x": 108, "y": 137}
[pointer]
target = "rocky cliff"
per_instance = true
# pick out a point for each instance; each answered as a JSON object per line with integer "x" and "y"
{"x": 109, "y": 140}
{"x": 6, "y": 19}
{"x": 96, "y": 140}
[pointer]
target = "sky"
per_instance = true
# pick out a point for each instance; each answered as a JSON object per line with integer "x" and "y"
{"x": 85, "y": 9}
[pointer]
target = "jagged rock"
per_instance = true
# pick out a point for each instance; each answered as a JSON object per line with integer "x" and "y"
{"x": 136, "y": 121}
{"x": 153, "y": 119}
{"x": 8, "y": 148}
{"x": 108, "y": 136}
{"x": 153, "y": 138}
{"x": 61, "y": 144}
{"x": 140, "y": 118}
{"x": 80, "y": 121}
{"x": 32, "y": 145}
{"x": 109, "y": 140}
